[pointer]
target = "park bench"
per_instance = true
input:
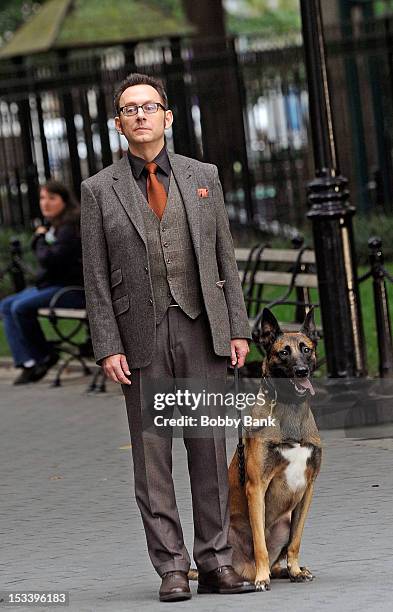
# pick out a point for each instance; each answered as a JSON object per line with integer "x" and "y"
{"x": 68, "y": 341}
{"x": 259, "y": 268}
{"x": 293, "y": 270}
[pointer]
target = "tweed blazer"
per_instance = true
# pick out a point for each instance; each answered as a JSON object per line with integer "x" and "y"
{"x": 119, "y": 294}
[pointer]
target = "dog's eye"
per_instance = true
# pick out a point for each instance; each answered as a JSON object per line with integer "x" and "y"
{"x": 284, "y": 353}
{"x": 306, "y": 349}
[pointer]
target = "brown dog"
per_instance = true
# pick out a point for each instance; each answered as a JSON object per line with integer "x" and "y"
{"x": 282, "y": 461}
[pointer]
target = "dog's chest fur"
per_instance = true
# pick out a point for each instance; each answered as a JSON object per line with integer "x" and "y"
{"x": 295, "y": 472}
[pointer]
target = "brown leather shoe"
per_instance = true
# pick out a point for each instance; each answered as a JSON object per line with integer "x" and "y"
{"x": 223, "y": 580}
{"x": 174, "y": 586}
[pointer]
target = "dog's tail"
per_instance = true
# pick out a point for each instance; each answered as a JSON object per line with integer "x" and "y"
{"x": 193, "y": 574}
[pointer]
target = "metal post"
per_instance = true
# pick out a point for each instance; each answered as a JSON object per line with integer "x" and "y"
{"x": 26, "y": 138}
{"x": 69, "y": 118}
{"x": 331, "y": 216}
{"x": 302, "y": 293}
{"x": 381, "y": 304}
{"x": 179, "y": 101}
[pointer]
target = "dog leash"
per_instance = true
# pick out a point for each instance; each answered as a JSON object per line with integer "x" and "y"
{"x": 240, "y": 444}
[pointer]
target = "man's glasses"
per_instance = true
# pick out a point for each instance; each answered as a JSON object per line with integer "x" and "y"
{"x": 149, "y": 108}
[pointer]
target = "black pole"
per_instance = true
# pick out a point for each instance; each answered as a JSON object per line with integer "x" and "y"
{"x": 179, "y": 101}
{"x": 331, "y": 215}
{"x": 381, "y": 304}
{"x": 26, "y": 138}
{"x": 69, "y": 118}
{"x": 302, "y": 293}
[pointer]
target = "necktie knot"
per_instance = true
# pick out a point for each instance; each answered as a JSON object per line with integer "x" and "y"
{"x": 151, "y": 167}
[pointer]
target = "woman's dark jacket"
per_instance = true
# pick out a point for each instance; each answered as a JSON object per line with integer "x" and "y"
{"x": 60, "y": 263}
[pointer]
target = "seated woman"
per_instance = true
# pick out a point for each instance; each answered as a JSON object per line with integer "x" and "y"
{"x": 57, "y": 247}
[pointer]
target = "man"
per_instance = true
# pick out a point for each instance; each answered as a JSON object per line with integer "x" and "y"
{"x": 164, "y": 300}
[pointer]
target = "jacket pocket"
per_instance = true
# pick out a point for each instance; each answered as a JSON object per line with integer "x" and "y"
{"x": 116, "y": 277}
{"x": 121, "y": 305}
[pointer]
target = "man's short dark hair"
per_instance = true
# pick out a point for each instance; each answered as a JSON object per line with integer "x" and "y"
{"x": 136, "y": 78}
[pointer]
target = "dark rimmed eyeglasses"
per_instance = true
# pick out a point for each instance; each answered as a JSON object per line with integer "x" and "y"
{"x": 149, "y": 108}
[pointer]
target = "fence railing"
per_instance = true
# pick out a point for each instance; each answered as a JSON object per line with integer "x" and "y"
{"x": 240, "y": 104}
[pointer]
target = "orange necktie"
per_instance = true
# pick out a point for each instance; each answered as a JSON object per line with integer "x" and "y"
{"x": 156, "y": 193}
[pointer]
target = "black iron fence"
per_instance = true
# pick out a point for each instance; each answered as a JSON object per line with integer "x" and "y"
{"x": 241, "y": 104}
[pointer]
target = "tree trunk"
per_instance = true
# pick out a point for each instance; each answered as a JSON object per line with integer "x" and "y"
{"x": 218, "y": 85}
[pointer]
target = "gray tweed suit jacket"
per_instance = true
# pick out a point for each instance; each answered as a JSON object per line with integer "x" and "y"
{"x": 119, "y": 295}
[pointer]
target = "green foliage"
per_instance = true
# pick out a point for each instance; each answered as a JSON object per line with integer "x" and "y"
{"x": 13, "y": 13}
{"x": 106, "y": 21}
{"x": 268, "y": 16}
{"x": 383, "y": 7}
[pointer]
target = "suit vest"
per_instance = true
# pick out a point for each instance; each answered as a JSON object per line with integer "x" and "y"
{"x": 173, "y": 264}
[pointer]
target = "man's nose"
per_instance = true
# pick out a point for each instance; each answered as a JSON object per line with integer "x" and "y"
{"x": 301, "y": 372}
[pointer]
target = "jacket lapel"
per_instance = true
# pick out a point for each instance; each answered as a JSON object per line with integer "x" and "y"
{"x": 185, "y": 178}
{"x": 126, "y": 190}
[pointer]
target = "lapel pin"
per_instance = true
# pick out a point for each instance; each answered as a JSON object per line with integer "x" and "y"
{"x": 203, "y": 192}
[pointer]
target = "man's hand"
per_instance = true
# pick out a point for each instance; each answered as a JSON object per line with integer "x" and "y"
{"x": 239, "y": 350}
{"x": 41, "y": 229}
{"x": 116, "y": 368}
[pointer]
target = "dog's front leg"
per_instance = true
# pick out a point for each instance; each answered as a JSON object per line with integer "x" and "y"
{"x": 299, "y": 515}
{"x": 255, "y": 491}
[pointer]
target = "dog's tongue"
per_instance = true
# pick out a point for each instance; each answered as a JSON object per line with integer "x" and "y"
{"x": 306, "y": 383}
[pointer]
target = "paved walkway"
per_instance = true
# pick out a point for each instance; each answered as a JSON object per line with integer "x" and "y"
{"x": 69, "y": 521}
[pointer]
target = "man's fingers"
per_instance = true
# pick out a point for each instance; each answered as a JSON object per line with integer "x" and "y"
{"x": 117, "y": 375}
{"x": 124, "y": 364}
{"x": 121, "y": 377}
{"x": 240, "y": 358}
{"x": 116, "y": 369}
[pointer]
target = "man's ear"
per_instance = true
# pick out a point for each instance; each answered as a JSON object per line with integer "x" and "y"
{"x": 118, "y": 125}
{"x": 309, "y": 328}
{"x": 270, "y": 330}
{"x": 168, "y": 119}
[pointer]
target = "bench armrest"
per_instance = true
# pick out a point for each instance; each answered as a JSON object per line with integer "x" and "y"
{"x": 64, "y": 291}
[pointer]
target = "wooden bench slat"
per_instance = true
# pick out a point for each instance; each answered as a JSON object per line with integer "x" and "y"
{"x": 64, "y": 313}
{"x": 277, "y": 256}
{"x": 282, "y": 279}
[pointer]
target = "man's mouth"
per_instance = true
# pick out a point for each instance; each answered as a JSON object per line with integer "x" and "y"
{"x": 302, "y": 385}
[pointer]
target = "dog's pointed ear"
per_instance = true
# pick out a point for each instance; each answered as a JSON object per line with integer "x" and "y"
{"x": 309, "y": 328}
{"x": 270, "y": 329}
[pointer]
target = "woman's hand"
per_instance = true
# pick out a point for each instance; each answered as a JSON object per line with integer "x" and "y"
{"x": 41, "y": 229}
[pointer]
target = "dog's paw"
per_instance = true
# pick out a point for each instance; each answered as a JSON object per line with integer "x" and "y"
{"x": 304, "y": 575}
{"x": 262, "y": 585}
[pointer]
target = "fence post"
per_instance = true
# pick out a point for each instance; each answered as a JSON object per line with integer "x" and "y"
{"x": 301, "y": 292}
{"x": 381, "y": 304}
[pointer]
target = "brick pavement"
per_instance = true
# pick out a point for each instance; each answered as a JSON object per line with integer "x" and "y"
{"x": 68, "y": 518}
